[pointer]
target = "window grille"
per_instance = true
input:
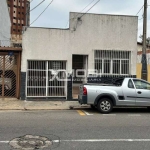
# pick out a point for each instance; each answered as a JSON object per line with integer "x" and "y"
{"x": 110, "y": 62}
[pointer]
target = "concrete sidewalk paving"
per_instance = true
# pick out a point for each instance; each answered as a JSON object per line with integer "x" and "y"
{"x": 15, "y": 104}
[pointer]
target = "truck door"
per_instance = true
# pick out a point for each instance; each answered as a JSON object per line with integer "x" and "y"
{"x": 142, "y": 92}
{"x": 129, "y": 92}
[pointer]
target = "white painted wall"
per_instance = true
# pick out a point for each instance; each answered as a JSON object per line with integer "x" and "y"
{"x": 95, "y": 32}
{"x": 5, "y": 24}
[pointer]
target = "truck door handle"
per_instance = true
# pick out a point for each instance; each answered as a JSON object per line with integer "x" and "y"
{"x": 139, "y": 92}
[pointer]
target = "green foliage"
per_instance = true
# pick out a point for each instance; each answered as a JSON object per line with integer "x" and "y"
{"x": 147, "y": 40}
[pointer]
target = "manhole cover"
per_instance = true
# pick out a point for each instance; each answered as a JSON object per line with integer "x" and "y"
{"x": 30, "y": 142}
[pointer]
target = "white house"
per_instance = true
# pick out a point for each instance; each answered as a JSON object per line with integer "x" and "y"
{"x": 105, "y": 43}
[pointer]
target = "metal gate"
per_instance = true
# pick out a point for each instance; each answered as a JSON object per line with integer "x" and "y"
{"x": 46, "y": 79}
{"x": 8, "y": 75}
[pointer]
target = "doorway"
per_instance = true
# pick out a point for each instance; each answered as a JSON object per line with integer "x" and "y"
{"x": 79, "y": 66}
{"x": 9, "y": 76}
{"x": 46, "y": 79}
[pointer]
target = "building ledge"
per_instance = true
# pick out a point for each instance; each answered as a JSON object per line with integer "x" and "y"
{"x": 10, "y": 49}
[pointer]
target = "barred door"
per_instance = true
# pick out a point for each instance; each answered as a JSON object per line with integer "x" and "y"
{"x": 8, "y": 71}
{"x": 46, "y": 79}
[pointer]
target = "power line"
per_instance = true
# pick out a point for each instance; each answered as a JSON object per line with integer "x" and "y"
{"x": 31, "y": 1}
{"x": 79, "y": 18}
{"x": 142, "y": 15}
{"x": 89, "y": 9}
{"x": 139, "y": 10}
{"x": 87, "y": 5}
{"x": 143, "y": 12}
{"x": 140, "y": 18}
{"x": 42, "y": 11}
{"x": 81, "y": 10}
{"x": 35, "y": 6}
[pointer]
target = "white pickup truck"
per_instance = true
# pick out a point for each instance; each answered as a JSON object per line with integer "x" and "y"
{"x": 123, "y": 92}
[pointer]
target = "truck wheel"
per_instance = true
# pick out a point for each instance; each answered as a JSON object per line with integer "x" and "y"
{"x": 148, "y": 108}
{"x": 105, "y": 105}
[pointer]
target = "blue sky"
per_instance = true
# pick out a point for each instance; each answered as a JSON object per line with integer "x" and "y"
{"x": 57, "y": 14}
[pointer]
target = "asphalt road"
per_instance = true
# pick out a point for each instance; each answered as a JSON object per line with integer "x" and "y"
{"x": 123, "y": 129}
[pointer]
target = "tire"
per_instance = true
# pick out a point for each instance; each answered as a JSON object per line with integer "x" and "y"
{"x": 148, "y": 108}
{"x": 105, "y": 105}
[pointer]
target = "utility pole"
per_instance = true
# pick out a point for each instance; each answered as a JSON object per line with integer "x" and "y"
{"x": 144, "y": 59}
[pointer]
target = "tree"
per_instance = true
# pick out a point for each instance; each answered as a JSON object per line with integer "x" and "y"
{"x": 147, "y": 40}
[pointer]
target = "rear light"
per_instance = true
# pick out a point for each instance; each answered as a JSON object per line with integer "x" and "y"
{"x": 84, "y": 91}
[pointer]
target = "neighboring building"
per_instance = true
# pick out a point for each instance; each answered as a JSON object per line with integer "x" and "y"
{"x": 139, "y": 60}
{"x": 5, "y": 24}
{"x": 19, "y": 14}
{"x": 139, "y": 53}
{"x": 140, "y": 46}
{"x": 9, "y": 57}
{"x": 92, "y": 42}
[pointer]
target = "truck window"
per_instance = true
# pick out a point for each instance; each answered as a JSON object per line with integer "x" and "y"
{"x": 130, "y": 84}
{"x": 141, "y": 84}
{"x": 118, "y": 82}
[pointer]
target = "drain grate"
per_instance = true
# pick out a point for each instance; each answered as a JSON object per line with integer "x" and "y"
{"x": 30, "y": 142}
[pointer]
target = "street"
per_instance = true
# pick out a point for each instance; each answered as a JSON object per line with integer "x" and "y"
{"x": 84, "y": 129}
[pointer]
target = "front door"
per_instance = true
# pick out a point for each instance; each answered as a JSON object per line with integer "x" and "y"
{"x": 129, "y": 92}
{"x": 142, "y": 92}
{"x": 79, "y": 66}
{"x": 8, "y": 74}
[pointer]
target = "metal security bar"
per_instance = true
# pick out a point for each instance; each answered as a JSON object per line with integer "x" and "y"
{"x": 1, "y": 75}
{"x": 46, "y": 79}
{"x": 8, "y": 74}
{"x": 109, "y": 62}
{"x": 36, "y": 78}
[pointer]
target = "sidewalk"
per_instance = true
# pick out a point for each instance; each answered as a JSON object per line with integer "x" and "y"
{"x": 15, "y": 104}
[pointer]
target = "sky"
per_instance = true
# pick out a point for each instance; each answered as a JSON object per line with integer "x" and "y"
{"x": 57, "y": 14}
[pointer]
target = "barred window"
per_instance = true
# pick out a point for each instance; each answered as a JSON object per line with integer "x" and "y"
{"x": 112, "y": 62}
{"x": 107, "y": 66}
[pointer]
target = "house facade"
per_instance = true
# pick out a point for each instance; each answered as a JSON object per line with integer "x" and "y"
{"x": 94, "y": 48}
{"x": 9, "y": 57}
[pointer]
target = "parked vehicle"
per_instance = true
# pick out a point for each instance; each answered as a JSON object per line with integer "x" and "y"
{"x": 123, "y": 92}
